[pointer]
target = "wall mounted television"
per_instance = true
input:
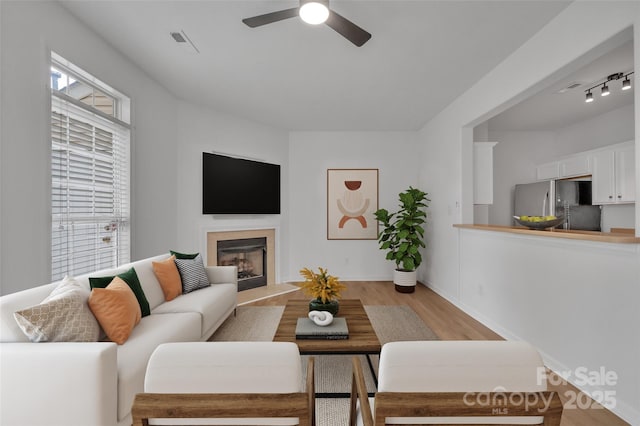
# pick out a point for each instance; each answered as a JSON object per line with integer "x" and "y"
{"x": 238, "y": 186}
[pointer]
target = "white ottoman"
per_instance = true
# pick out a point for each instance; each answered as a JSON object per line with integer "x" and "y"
{"x": 467, "y": 367}
{"x": 241, "y": 372}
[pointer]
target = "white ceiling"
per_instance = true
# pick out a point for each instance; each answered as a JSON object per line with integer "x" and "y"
{"x": 423, "y": 54}
{"x": 555, "y": 106}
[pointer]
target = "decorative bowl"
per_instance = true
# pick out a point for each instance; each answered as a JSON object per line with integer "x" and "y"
{"x": 541, "y": 224}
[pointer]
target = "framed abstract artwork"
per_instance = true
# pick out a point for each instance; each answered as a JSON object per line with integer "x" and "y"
{"x": 352, "y": 198}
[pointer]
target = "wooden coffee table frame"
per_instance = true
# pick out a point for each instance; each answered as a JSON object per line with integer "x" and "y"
{"x": 362, "y": 340}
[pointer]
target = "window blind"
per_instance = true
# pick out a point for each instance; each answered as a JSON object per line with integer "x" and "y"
{"x": 90, "y": 214}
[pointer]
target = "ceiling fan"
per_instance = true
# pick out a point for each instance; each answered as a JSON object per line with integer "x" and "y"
{"x": 315, "y": 12}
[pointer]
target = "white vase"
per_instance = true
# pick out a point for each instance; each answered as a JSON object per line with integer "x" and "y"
{"x": 405, "y": 281}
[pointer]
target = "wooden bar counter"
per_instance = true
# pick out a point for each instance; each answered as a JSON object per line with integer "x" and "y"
{"x": 603, "y": 237}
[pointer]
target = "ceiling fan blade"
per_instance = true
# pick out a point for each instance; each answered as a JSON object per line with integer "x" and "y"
{"x": 269, "y": 18}
{"x": 347, "y": 29}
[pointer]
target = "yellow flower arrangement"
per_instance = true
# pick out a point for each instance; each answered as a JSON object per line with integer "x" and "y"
{"x": 321, "y": 285}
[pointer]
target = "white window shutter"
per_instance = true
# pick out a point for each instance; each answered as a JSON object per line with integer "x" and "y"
{"x": 90, "y": 216}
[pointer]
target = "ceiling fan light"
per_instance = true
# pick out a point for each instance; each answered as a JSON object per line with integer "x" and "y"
{"x": 605, "y": 90}
{"x": 626, "y": 83}
{"x": 314, "y": 13}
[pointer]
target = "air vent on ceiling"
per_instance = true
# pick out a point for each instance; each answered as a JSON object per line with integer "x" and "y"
{"x": 570, "y": 86}
{"x": 178, "y": 37}
{"x": 183, "y": 40}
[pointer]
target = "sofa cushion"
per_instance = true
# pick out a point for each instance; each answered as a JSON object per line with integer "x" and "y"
{"x": 169, "y": 278}
{"x": 459, "y": 366}
{"x": 116, "y": 309}
{"x": 131, "y": 278}
{"x": 134, "y": 355}
{"x": 149, "y": 281}
{"x": 225, "y": 367}
{"x": 193, "y": 274}
{"x": 63, "y": 316}
{"x": 179, "y": 255}
{"x": 212, "y": 303}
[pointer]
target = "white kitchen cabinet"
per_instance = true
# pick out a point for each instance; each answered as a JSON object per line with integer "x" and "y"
{"x": 567, "y": 167}
{"x": 575, "y": 165}
{"x": 548, "y": 171}
{"x": 614, "y": 175}
{"x": 483, "y": 172}
{"x": 625, "y": 163}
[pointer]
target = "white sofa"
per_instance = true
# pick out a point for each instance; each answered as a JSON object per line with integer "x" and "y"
{"x": 94, "y": 384}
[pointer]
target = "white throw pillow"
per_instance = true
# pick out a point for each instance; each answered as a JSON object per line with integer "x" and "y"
{"x": 64, "y": 316}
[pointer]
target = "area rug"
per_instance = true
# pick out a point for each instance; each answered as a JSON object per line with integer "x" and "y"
{"x": 392, "y": 323}
{"x": 332, "y": 372}
{"x": 250, "y": 324}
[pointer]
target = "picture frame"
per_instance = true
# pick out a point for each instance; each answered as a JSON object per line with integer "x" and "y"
{"x": 352, "y": 199}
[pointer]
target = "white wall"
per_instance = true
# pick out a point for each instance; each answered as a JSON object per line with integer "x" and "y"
{"x": 205, "y": 130}
{"x": 514, "y": 161}
{"x": 311, "y": 154}
{"x": 446, "y": 173}
{"x": 606, "y": 129}
{"x": 580, "y": 305}
{"x": 28, "y": 31}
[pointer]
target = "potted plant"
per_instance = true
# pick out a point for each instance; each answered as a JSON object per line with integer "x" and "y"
{"x": 402, "y": 236}
{"x": 324, "y": 288}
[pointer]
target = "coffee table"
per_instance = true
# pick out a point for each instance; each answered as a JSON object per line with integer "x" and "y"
{"x": 362, "y": 340}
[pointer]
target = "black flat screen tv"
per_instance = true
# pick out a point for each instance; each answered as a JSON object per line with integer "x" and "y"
{"x": 238, "y": 186}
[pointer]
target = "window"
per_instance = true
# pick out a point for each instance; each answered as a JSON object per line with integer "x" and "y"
{"x": 90, "y": 138}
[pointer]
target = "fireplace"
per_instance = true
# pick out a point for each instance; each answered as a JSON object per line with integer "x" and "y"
{"x": 249, "y": 255}
{"x": 222, "y": 236}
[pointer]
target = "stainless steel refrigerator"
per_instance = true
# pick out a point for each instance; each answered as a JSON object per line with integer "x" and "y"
{"x": 568, "y": 198}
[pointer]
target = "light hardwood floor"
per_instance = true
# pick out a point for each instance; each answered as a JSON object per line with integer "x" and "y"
{"x": 450, "y": 323}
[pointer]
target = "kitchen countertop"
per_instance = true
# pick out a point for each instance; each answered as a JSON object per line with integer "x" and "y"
{"x": 604, "y": 237}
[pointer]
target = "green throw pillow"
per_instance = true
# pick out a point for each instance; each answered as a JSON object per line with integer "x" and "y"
{"x": 131, "y": 278}
{"x": 183, "y": 255}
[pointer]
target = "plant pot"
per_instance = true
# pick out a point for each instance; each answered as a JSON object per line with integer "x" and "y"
{"x": 331, "y": 306}
{"x": 405, "y": 281}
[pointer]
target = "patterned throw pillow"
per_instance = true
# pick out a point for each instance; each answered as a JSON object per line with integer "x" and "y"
{"x": 63, "y": 316}
{"x": 193, "y": 275}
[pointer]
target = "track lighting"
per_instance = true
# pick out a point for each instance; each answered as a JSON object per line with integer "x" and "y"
{"x": 626, "y": 85}
{"x": 589, "y": 97}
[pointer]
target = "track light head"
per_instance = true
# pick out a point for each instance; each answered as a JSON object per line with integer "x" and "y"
{"x": 589, "y": 97}
{"x": 626, "y": 83}
{"x": 605, "y": 90}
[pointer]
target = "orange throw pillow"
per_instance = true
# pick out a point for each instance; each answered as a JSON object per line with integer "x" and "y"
{"x": 116, "y": 309}
{"x": 169, "y": 278}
